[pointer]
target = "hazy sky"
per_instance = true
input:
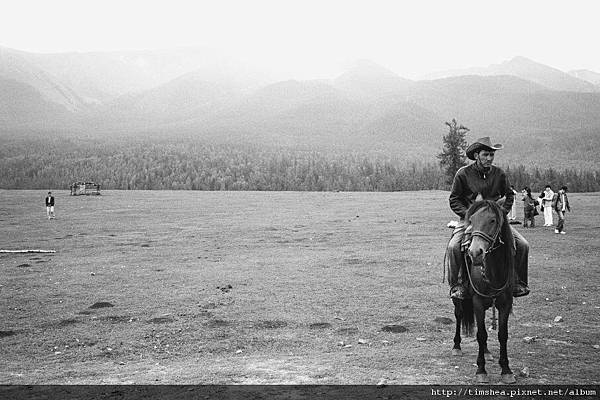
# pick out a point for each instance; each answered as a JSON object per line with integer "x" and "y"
{"x": 306, "y": 38}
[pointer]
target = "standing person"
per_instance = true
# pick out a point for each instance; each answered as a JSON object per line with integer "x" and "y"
{"x": 482, "y": 179}
{"x": 529, "y": 208}
{"x": 561, "y": 205}
{"x": 547, "y": 205}
{"x": 50, "y": 205}
{"x": 512, "y": 215}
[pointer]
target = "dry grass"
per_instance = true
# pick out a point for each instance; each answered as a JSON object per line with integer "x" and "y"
{"x": 246, "y": 287}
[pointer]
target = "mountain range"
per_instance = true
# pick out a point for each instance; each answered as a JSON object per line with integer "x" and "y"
{"x": 194, "y": 92}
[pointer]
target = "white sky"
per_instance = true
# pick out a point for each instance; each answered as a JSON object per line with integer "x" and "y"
{"x": 319, "y": 38}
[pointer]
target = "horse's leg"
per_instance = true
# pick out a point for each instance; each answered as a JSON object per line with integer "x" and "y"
{"x": 486, "y": 352}
{"x": 458, "y": 314}
{"x": 481, "y": 340}
{"x": 503, "y": 313}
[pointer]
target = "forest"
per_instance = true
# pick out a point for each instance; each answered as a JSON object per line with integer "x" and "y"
{"x": 136, "y": 164}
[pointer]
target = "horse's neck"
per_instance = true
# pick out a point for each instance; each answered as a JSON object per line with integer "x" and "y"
{"x": 498, "y": 263}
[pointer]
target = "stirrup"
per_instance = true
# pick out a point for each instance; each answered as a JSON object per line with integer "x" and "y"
{"x": 457, "y": 292}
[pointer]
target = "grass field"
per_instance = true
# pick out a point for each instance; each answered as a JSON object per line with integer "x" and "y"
{"x": 273, "y": 287}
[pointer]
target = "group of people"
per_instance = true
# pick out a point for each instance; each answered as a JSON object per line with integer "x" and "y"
{"x": 549, "y": 202}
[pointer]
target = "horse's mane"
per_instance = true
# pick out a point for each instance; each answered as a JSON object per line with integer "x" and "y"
{"x": 506, "y": 252}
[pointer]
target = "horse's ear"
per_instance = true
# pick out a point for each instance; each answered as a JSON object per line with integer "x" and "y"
{"x": 479, "y": 197}
{"x": 501, "y": 201}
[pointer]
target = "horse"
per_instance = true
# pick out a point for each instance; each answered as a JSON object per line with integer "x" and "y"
{"x": 490, "y": 258}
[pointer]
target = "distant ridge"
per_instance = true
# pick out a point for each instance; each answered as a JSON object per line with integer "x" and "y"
{"x": 525, "y": 68}
{"x": 369, "y": 80}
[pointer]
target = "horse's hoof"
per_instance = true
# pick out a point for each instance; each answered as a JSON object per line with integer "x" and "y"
{"x": 488, "y": 356}
{"x": 508, "y": 378}
{"x": 483, "y": 378}
{"x": 457, "y": 352}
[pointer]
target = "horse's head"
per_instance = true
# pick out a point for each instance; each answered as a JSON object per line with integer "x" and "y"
{"x": 485, "y": 219}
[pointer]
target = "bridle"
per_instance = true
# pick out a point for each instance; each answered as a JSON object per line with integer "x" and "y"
{"x": 494, "y": 242}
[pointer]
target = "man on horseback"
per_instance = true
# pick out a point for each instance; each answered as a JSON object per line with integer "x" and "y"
{"x": 490, "y": 183}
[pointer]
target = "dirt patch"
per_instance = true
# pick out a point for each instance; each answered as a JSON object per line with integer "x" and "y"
{"x": 67, "y": 322}
{"x": 218, "y": 323}
{"x": 7, "y": 333}
{"x": 320, "y": 325}
{"x": 117, "y": 319}
{"x": 443, "y": 320}
{"x": 348, "y": 331}
{"x": 145, "y": 245}
{"x": 101, "y": 304}
{"x": 275, "y": 324}
{"x": 23, "y": 265}
{"x": 394, "y": 328}
{"x": 85, "y": 312}
{"x": 161, "y": 320}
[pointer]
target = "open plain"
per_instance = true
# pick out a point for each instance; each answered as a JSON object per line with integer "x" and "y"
{"x": 188, "y": 287}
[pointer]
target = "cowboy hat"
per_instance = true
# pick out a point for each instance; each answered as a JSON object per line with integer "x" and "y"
{"x": 483, "y": 143}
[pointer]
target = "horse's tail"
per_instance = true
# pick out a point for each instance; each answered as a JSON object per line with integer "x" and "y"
{"x": 468, "y": 316}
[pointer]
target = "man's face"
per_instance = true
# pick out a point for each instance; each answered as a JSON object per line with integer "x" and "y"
{"x": 485, "y": 158}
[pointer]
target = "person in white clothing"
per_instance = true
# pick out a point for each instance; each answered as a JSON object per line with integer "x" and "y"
{"x": 512, "y": 215}
{"x": 547, "y": 204}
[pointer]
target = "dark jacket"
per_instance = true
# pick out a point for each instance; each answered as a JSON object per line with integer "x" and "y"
{"x": 529, "y": 203}
{"x": 470, "y": 180}
{"x": 560, "y": 198}
{"x": 49, "y": 201}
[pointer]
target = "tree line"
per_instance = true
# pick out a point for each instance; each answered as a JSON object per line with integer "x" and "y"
{"x": 195, "y": 165}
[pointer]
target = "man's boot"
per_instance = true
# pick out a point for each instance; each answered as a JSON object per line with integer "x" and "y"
{"x": 521, "y": 268}
{"x": 457, "y": 287}
{"x": 458, "y": 291}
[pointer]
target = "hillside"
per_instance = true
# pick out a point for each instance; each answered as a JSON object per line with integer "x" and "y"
{"x": 15, "y": 66}
{"x": 587, "y": 75}
{"x": 188, "y": 97}
{"x": 22, "y": 105}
